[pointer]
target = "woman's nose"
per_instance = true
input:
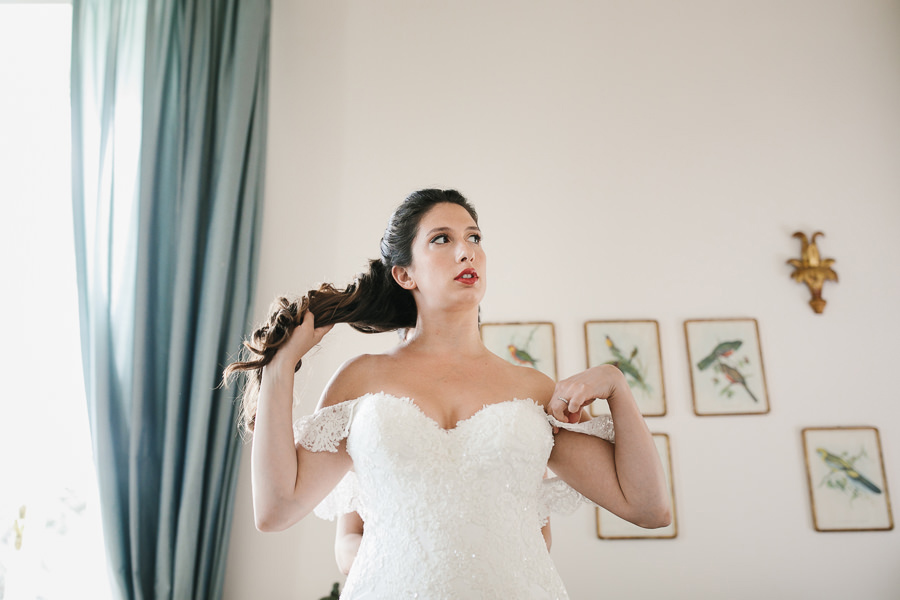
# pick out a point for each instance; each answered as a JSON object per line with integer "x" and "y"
{"x": 465, "y": 253}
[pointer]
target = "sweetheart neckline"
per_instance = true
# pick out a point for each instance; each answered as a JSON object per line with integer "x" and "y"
{"x": 412, "y": 403}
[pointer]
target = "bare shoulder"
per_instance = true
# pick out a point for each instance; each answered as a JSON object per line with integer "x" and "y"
{"x": 352, "y": 378}
{"x": 529, "y": 383}
{"x": 543, "y": 387}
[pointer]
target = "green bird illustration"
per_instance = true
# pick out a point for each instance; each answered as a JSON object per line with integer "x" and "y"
{"x": 625, "y": 364}
{"x": 723, "y": 349}
{"x": 521, "y": 356}
{"x": 836, "y": 463}
{"x": 734, "y": 376}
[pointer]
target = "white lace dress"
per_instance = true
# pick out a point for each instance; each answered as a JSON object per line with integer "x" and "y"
{"x": 449, "y": 514}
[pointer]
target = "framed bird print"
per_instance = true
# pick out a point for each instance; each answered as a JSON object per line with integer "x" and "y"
{"x": 530, "y": 345}
{"x": 633, "y": 347}
{"x": 847, "y": 484}
{"x": 726, "y": 366}
{"x": 611, "y": 527}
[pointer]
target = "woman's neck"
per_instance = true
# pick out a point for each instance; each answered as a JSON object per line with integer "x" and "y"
{"x": 454, "y": 333}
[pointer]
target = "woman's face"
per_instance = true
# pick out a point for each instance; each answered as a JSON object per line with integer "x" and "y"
{"x": 449, "y": 267}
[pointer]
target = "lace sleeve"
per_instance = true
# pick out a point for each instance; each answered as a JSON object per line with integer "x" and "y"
{"x": 557, "y": 495}
{"x": 344, "y": 498}
{"x": 601, "y": 427}
{"x": 324, "y": 429}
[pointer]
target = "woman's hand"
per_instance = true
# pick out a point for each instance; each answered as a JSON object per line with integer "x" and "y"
{"x": 575, "y": 393}
{"x": 301, "y": 340}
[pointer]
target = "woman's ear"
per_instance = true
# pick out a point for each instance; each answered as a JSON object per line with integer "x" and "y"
{"x": 403, "y": 278}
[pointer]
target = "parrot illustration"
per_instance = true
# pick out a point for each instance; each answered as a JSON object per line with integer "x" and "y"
{"x": 734, "y": 376}
{"x": 723, "y": 349}
{"x": 624, "y": 364}
{"x": 836, "y": 463}
{"x": 521, "y": 357}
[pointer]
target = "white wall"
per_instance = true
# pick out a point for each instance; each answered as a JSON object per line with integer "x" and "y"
{"x": 631, "y": 159}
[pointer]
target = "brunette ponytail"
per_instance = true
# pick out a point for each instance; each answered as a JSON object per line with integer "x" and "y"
{"x": 373, "y": 303}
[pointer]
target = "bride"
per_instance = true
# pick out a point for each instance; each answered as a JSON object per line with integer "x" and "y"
{"x": 439, "y": 445}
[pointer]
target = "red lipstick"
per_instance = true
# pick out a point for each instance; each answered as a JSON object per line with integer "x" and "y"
{"x": 467, "y": 277}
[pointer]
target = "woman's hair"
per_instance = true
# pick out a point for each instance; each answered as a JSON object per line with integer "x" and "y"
{"x": 373, "y": 303}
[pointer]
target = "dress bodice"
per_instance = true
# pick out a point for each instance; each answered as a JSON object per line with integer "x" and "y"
{"x": 449, "y": 513}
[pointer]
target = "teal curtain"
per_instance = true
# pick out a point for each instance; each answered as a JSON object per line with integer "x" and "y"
{"x": 169, "y": 103}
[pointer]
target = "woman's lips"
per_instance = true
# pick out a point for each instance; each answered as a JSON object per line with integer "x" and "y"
{"x": 468, "y": 277}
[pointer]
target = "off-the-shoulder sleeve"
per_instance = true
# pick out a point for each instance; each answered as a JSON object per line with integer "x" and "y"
{"x": 344, "y": 498}
{"x": 557, "y": 495}
{"x": 601, "y": 427}
{"x": 324, "y": 429}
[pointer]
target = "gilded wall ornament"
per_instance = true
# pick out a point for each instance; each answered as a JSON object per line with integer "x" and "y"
{"x": 812, "y": 270}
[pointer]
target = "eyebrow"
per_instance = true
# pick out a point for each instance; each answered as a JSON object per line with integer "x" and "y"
{"x": 442, "y": 229}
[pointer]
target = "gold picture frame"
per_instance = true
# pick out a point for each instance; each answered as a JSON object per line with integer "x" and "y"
{"x": 726, "y": 367}
{"x": 846, "y": 477}
{"x": 632, "y": 346}
{"x": 611, "y": 527}
{"x": 525, "y": 344}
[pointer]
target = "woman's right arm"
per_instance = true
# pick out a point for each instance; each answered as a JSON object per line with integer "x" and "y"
{"x": 288, "y": 481}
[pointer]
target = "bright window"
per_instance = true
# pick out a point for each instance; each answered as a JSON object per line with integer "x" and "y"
{"x": 55, "y": 551}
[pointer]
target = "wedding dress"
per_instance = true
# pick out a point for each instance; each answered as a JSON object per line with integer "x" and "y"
{"x": 449, "y": 513}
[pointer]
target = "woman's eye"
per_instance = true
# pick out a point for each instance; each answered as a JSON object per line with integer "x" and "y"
{"x": 439, "y": 239}
{"x": 475, "y": 238}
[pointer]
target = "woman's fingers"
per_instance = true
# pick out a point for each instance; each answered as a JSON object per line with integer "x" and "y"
{"x": 309, "y": 325}
{"x": 558, "y": 407}
{"x": 563, "y": 408}
{"x": 304, "y": 337}
{"x": 571, "y": 396}
{"x": 321, "y": 331}
{"x": 311, "y": 334}
{"x": 309, "y": 321}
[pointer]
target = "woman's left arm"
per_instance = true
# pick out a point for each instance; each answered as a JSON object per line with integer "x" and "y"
{"x": 627, "y": 477}
{"x": 347, "y": 538}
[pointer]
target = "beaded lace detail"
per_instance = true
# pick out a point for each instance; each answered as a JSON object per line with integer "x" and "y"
{"x": 601, "y": 427}
{"x": 344, "y": 498}
{"x": 559, "y": 497}
{"x": 449, "y": 513}
{"x": 324, "y": 429}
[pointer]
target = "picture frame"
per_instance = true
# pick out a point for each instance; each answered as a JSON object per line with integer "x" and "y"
{"x": 726, "y": 367}
{"x": 528, "y": 344}
{"x": 846, "y": 477}
{"x": 632, "y": 346}
{"x": 612, "y": 527}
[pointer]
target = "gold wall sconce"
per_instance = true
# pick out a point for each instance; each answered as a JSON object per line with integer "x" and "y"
{"x": 812, "y": 270}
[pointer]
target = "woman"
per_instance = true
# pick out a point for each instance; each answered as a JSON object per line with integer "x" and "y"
{"x": 438, "y": 444}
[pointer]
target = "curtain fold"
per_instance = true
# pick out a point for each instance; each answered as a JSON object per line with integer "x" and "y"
{"x": 169, "y": 105}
